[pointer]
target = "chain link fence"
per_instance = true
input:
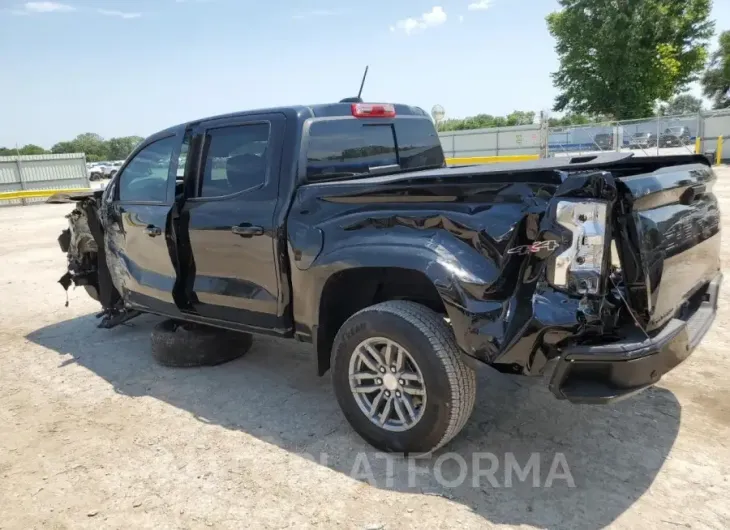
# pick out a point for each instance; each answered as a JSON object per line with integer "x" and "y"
{"x": 665, "y": 135}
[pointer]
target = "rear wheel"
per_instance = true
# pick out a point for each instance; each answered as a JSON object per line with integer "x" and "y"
{"x": 399, "y": 378}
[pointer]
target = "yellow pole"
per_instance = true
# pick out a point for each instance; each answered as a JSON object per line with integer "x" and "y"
{"x": 718, "y": 154}
{"x": 698, "y": 145}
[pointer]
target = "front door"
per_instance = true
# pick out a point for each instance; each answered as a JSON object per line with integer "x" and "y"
{"x": 227, "y": 223}
{"x": 137, "y": 226}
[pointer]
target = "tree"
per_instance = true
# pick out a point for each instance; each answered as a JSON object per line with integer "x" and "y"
{"x": 31, "y": 149}
{"x": 120, "y": 148}
{"x": 576, "y": 119}
{"x": 519, "y": 117}
{"x": 487, "y": 121}
{"x": 63, "y": 147}
{"x": 617, "y": 57}
{"x": 92, "y": 144}
{"x": 716, "y": 79}
{"x": 682, "y": 104}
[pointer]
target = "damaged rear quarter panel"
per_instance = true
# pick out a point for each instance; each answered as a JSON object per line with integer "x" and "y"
{"x": 467, "y": 236}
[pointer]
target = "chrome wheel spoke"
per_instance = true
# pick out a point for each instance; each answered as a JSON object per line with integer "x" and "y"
{"x": 414, "y": 391}
{"x": 408, "y": 406}
{"x": 363, "y": 375}
{"x": 389, "y": 353}
{"x": 387, "y": 384}
{"x": 399, "y": 359}
{"x": 375, "y": 355}
{"x": 399, "y": 411}
{"x": 376, "y": 402}
{"x": 386, "y": 411}
{"x": 368, "y": 361}
{"x": 366, "y": 389}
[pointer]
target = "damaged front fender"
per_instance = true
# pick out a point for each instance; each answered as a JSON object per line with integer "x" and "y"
{"x": 83, "y": 243}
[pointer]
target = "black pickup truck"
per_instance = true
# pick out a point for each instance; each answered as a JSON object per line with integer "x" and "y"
{"x": 341, "y": 225}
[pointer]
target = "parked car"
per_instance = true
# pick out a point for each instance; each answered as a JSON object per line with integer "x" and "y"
{"x": 675, "y": 137}
{"x": 96, "y": 171}
{"x": 604, "y": 141}
{"x": 643, "y": 140}
{"x": 341, "y": 225}
{"x": 114, "y": 167}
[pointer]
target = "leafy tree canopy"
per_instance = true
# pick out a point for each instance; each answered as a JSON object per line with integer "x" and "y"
{"x": 486, "y": 121}
{"x": 617, "y": 57}
{"x": 681, "y": 104}
{"x": 716, "y": 79}
{"x": 93, "y": 145}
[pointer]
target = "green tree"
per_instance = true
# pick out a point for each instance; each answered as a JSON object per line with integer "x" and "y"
{"x": 716, "y": 79}
{"x": 617, "y": 57}
{"x": 519, "y": 117}
{"x": 31, "y": 149}
{"x": 63, "y": 148}
{"x": 487, "y": 121}
{"x": 681, "y": 104}
{"x": 92, "y": 144}
{"x": 120, "y": 148}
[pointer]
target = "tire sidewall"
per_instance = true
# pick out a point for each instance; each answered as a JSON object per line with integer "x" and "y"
{"x": 432, "y": 426}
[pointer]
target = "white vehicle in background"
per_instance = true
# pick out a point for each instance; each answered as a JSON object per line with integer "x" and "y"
{"x": 95, "y": 170}
{"x": 103, "y": 170}
{"x": 114, "y": 167}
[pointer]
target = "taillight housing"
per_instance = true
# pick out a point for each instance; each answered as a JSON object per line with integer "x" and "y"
{"x": 580, "y": 267}
{"x": 373, "y": 110}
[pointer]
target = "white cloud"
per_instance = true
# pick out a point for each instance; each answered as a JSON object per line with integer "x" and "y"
{"x": 481, "y": 5}
{"x": 461, "y": 18}
{"x": 435, "y": 17}
{"x": 120, "y": 14}
{"x": 47, "y": 7}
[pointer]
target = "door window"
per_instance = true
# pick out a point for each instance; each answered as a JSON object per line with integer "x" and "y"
{"x": 235, "y": 159}
{"x": 145, "y": 177}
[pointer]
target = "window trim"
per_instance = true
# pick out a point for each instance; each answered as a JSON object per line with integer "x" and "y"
{"x": 116, "y": 192}
{"x": 203, "y": 155}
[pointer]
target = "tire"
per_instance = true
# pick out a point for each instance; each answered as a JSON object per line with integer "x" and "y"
{"x": 183, "y": 344}
{"x": 449, "y": 384}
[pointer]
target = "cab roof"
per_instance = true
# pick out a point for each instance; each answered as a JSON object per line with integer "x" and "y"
{"x": 321, "y": 110}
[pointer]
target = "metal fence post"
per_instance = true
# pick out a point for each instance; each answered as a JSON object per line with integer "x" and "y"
{"x": 497, "y": 140}
{"x": 700, "y": 134}
{"x": 718, "y": 153}
{"x": 21, "y": 180}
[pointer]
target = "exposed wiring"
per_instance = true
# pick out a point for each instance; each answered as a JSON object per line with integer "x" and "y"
{"x": 628, "y": 308}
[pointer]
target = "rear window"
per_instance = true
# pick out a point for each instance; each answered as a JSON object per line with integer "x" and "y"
{"x": 352, "y": 147}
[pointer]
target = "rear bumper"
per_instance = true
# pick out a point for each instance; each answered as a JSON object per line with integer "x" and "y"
{"x": 606, "y": 373}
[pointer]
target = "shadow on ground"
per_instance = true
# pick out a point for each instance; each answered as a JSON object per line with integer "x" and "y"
{"x": 613, "y": 453}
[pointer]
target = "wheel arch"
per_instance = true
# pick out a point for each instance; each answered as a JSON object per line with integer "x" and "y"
{"x": 356, "y": 277}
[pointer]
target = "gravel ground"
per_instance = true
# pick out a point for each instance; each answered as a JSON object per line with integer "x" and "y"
{"x": 96, "y": 435}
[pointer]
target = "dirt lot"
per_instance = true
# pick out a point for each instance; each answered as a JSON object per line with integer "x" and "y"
{"x": 94, "y": 434}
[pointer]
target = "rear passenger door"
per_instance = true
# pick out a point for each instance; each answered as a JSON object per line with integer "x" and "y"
{"x": 227, "y": 228}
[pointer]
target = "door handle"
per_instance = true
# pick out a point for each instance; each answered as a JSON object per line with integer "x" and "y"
{"x": 153, "y": 231}
{"x": 247, "y": 230}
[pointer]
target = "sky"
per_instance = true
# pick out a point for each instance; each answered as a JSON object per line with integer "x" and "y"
{"x": 133, "y": 67}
